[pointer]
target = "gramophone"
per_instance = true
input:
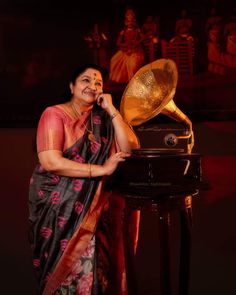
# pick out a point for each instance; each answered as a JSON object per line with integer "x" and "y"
{"x": 150, "y": 92}
{"x": 162, "y": 180}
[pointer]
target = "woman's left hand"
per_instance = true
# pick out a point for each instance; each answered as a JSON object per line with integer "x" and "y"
{"x": 104, "y": 100}
{"x": 125, "y": 137}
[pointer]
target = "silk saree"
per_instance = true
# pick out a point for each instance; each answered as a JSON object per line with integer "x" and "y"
{"x": 76, "y": 228}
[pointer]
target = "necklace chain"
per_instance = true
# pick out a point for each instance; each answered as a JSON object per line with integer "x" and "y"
{"x": 91, "y": 136}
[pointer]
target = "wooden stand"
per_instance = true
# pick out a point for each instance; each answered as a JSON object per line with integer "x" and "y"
{"x": 164, "y": 207}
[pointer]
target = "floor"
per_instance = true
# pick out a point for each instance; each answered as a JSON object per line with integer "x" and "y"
{"x": 213, "y": 264}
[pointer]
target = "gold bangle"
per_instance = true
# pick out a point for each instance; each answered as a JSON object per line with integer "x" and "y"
{"x": 90, "y": 172}
{"x": 113, "y": 115}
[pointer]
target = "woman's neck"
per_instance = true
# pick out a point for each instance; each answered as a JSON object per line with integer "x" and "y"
{"x": 81, "y": 108}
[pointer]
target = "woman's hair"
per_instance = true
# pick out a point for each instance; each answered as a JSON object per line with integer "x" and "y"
{"x": 77, "y": 72}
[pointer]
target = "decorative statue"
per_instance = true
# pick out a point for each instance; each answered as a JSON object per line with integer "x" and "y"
{"x": 97, "y": 41}
{"x": 130, "y": 55}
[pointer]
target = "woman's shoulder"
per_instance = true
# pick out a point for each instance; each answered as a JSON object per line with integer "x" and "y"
{"x": 58, "y": 110}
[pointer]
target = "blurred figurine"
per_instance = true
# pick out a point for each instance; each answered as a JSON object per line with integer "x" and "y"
{"x": 130, "y": 55}
{"x": 150, "y": 27}
{"x": 183, "y": 27}
{"x": 150, "y": 30}
{"x": 230, "y": 34}
{"x": 214, "y": 26}
{"x": 222, "y": 55}
{"x": 97, "y": 41}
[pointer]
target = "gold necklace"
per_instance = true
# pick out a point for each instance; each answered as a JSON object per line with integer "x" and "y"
{"x": 91, "y": 136}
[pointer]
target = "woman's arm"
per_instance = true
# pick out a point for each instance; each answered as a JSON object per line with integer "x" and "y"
{"x": 54, "y": 162}
{"x": 120, "y": 42}
{"x": 125, "y": 137}
{"x": 50, "y": 143}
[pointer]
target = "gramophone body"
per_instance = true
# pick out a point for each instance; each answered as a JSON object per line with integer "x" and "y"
{"x": 150, "y": 92}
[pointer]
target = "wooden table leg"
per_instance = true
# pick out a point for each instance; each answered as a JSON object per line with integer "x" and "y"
{"x": 185, "y": 247}
{"x": 129, "y": 256}
{"x": 165, "y": 271}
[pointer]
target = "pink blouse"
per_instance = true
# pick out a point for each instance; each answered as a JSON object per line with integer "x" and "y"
{"x": 58, "y": 129}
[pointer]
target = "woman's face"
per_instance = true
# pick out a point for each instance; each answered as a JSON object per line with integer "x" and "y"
{"x": 87, "y": 87}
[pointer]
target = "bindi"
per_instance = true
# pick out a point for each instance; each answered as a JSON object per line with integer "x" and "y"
{"x": 95, "y": 76}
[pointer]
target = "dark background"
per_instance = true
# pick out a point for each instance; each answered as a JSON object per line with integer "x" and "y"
{"x": 41, "y": 42}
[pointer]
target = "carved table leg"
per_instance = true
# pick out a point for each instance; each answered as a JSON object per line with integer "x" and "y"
{"x": 185, "y": 246}
{"x": 165, "y": 273}
{"x": 129, "y": 255}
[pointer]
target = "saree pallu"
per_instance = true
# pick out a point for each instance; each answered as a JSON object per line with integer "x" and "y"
{"x": 63, "y": 216}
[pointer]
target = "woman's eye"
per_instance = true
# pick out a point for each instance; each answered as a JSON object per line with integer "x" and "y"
{"x": 86, "y": 80}
{"x": 99, "y": 84}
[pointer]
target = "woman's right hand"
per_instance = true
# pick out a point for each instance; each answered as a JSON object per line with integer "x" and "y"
{"x": 112, "y": 162}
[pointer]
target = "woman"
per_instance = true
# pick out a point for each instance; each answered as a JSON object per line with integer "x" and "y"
{"x": 79, "y": 143}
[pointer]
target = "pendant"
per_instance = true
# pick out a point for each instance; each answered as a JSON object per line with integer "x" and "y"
{"x": 91, "y": 136}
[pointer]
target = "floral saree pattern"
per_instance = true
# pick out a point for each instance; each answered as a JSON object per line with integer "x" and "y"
{"x": 63, "y": 217}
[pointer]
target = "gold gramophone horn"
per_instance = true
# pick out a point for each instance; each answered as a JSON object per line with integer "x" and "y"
{"x": 150, "y": 92}
{"x": 172, "y": 111}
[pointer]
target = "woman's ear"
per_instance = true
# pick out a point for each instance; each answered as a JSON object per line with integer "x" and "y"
{"x": 71, "y": 87}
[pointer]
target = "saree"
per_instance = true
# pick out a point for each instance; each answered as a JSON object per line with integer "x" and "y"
{"x": 72, "y": 224}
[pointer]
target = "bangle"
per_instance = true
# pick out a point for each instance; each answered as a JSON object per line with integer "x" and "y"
{"x": 90, "y": 172}
{"x": 113, "y": 115}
